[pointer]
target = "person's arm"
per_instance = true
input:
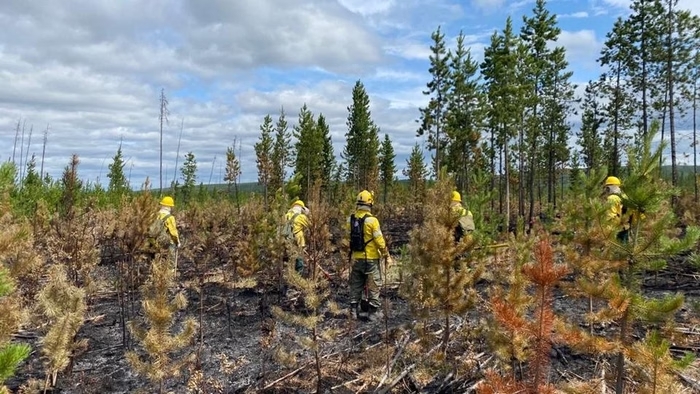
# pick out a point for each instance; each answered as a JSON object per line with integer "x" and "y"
{"x": 172, "y": 229}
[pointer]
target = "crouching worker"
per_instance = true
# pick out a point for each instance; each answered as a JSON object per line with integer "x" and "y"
{"x": 296, "y": 221}
{"x": 367, "y": 248}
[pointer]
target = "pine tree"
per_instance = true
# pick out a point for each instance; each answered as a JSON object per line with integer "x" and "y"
{"x": 117, "y": 180}
{"x": 188, "y": 172}
{"x": 327, "y": 158}
{"x": 432, "y": 118}
{"x": 309, "y": 151}
{"x": 63, "y": 307}
{"x": 281, "y": 153}
{"x": 465, "y": 115}
{"x": 387, "y": 167}
{"x": 559, "y": 95}
{"x": 263, "y": 153}
{"x": 233, "y": 171}
{"x": 537, "y": 33}
{"x": 416, "y": 171}
{"x": 615, "y": 56}
{"x": 644, "y": 64}
{"x": 360, "y": 152}
{"x": 156, "y": 338}
{"x": 506, "y": 102}
{"x": 11, "y": 354}
{"x": 589, "y": 138}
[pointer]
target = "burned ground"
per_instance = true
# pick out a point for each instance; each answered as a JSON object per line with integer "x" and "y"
{"x": 235, "y": 358}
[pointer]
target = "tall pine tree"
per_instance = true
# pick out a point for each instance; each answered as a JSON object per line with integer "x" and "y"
{"x": 362, "y": 142}
{"x": 281, "y": 155}
{"x": 263, "y": 155}
{"x": 387, "y": 167}
{"x": 465, "y": 115}
{"x": 432, "y": 117}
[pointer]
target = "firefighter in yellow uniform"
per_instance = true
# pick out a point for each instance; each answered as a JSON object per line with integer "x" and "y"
{"x": 166, "y": 216}
{"x": 465, "y": 218}
{"x": 617, "y": 215}
{"x": 298, "y": 220}
{"x": 367, "y": 248}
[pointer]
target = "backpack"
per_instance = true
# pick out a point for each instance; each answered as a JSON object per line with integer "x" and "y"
{"x": 465, "y": 225}
{"x": 288, "y": 229}
{"x": 157, "y": 233}
{"x": 357, "y": 233}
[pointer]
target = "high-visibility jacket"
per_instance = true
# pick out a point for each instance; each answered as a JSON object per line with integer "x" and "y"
{"x": 301, "y": 222}
{"x": 375, "y": 244}
{"x": 170, "y": 225}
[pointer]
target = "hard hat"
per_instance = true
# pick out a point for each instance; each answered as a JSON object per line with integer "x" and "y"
{"x": 167, "y": 201}
{"x": 299, "y": 203}
{"x": 365, "y": 198}
{"x": 612, "y": 181}
{"x": 456, "y": 196}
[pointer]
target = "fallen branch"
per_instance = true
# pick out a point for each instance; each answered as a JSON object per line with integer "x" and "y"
{"x": 693, "y": 383}
{"x": 405, "y": 372}
{"x": 285, "y": 377}
{"x": 399, "y": 351}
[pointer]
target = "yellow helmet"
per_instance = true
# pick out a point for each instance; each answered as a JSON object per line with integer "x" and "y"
{"x": 167, "y": 201}
{"x": 365, "y": 198}
{"x": 299, "y": 203}
{"x": 456, "y": 196}
{"x": 612, "y": 181}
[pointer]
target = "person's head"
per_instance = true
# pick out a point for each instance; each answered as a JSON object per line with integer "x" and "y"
{"x": 167, "y": 202}
{"x": 365, "y": 199}
{"x": 456, "y": 197}
{"x": 612, "y": 185}
{"x": 299, "y": 205}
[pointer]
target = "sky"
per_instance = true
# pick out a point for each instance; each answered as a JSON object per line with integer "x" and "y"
{"x": 91, "y": 72}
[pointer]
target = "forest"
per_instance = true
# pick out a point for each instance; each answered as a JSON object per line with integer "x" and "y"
{"x": 541, "y": 298}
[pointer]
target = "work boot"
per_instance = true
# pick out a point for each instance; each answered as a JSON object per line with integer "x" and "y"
{"x": 354, "y": 313}
{"x": 375, "y": 315}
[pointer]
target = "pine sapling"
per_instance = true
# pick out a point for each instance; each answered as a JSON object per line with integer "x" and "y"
{"x": 62, "y": 305}
{"x": 157, "y": 340}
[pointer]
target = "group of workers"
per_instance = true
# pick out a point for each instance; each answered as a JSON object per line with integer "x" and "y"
{"x": 368, "y": 250}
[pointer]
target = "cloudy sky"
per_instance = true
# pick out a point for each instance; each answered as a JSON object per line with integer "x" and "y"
{"x": 91, "y": 71}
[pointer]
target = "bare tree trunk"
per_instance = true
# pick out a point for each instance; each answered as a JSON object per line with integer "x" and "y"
{"x": 671, "y": 120}
{"x": 695, "y": 139}
{"x": 43, "y": 152}
{"x": 177, "y": 156}
{"x": 14, "y": 147}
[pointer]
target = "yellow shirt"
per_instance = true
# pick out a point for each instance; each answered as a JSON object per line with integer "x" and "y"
{"x": 301, "y": 222}
{"x": 376, "y": 245}
{"x": 170, "y": 225}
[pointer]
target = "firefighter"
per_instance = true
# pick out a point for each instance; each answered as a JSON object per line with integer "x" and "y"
{"x": 296, "y": 221}
{"x": 165, "y": 215}
{"x": 367, "y": 248}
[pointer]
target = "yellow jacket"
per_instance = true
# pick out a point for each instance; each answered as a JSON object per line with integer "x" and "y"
{"x": 301, "y": 222}
{"x": 170, "y": 225}
{"x": 376, "y": 245}
{"x": 460, "y": 211}
{"x": 615, "y": 214}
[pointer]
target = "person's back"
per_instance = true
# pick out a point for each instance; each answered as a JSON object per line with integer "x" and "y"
{"x": 465, "y": 218}
{"x": 296, "y": 221}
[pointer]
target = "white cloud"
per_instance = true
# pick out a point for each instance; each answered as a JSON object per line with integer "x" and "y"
{"x": 409, "y": 50}
{"x": 488, "y": 4}
{"x": 579, "y": 14}
{"x": 581, "y": 46}
{"x": 366, "y": 8}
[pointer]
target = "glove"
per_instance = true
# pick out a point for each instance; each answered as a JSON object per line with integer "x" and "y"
{"x": 178, "y": 244}
{"x": 389, "y": 260}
